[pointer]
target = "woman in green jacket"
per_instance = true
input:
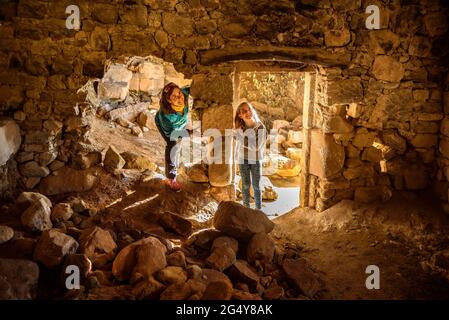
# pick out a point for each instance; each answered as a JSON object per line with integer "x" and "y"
{"x": 171, "y": 120}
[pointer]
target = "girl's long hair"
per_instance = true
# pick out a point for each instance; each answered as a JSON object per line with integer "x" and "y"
{"x": 164, "y": 104}
{"x": 240, "y": 123}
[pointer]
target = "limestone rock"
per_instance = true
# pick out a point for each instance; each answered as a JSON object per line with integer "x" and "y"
{"x": 61, "y": 212}
{"x": 112, "y": 91}
{"x": 204, "y": 238}
{"x": 344, "y": 91}
{"x": 148, "y": 289}
{"x": 33, "y": 169}
{"x": 10, "y": 140}
{"x": 326, "y": 156}
{"x": 240, "y": 222}
{"x": 37, "y": 216}
{"x": 273, "y": 292}
{"x": 53, "y": 246}
{"x": 363, "y": 138}
{"x": 225, "y": 242}
{"x": 424, "y": 140}
{"x": 260, "y": 247}
{"x": 221, "y": 258}
{"x": 301, "y": 276}
{"x": 135, "y": 161}
{"x": 98, "y": 245}
{"x": 394, "y": 140}
{"x": 183, "y": 290}
{"x": 241, "y": 271}
{"x": 388, "y": 69}
{"x": 176, "y": 259}
{"x": 175, "y": 223}
{"x": 218, "y": 285}
{"x": 294, "y": 137}
{"x": 337, "y": 38}
{"x": 113, "y": 160}
{"x": 140, "y": 259}
{"x": 6, "y": 234}
{"x": 146, "y": 120}
{"x": 26, "y": 199}
{"x": 19, "y": 279}
{"x": 129, "y": 113}
{"x": 195, "y": 173}
{"x": 213, "y": 87}
{"x": 171, "y": 274}
{"x": 67, "y": 180}
{"x": 279, "y": 124}
{"x": 337, "y": 125}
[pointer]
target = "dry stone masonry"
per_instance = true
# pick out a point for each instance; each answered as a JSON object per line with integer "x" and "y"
{"x": 378, "y": 98}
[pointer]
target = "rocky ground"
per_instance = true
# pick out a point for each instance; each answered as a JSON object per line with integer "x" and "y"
{"x": 134, "y": 239}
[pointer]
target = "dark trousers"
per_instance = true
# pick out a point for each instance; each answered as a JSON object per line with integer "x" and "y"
{"x": 251, "y": 172}
{"x": 170, "y": 163}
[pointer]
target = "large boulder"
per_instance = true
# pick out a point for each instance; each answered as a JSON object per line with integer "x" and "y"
{"x": 52, "y": 248}
{"x": 37, "y": 217}
{"x": 98, "y": 245}
{"x": 140, "y": 259}
{"x": 261, "y": 247}
{"x": 240, "y": 222}
{"x": 18, "y": 279}
{"x": 10, "y": 140}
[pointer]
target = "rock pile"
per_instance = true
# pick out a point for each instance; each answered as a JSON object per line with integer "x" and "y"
{"x": 237, "y": 259}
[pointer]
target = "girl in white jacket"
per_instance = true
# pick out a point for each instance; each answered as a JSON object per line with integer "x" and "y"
{"x": 251, "y": 140}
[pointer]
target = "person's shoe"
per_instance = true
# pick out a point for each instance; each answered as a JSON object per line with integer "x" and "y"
{"x": 175, "y": 185}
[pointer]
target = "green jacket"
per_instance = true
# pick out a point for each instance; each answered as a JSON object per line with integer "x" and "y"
{"x": 174, "y": 121}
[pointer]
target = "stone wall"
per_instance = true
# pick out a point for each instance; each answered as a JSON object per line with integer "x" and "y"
{"x": 377, "y": 86}
{"x": 442, "y": 184}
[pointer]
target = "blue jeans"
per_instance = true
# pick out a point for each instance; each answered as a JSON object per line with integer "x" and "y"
{"x": 248, "y": 171}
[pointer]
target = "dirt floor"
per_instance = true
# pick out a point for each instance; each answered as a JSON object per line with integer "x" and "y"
{"x": 398, "y": 236}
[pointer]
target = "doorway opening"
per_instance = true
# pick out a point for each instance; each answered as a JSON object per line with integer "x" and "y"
{"x": 277, "y": 93}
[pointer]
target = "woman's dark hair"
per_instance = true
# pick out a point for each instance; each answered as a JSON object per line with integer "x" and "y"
{"x": 165, "y": 105}
{"x": 240, "y": 123}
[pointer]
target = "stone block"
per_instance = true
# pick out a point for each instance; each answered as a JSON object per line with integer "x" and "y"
{"x": 326, "y": 156}
{"x": 10, "y": 140}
